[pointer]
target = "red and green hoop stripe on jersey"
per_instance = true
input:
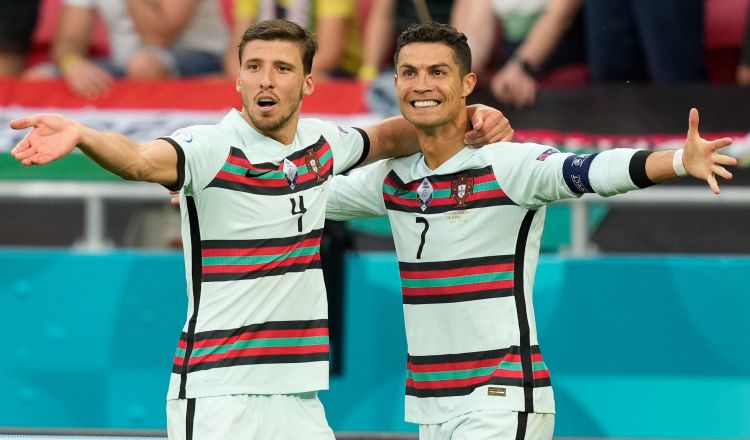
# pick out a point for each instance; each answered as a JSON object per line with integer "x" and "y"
{"x": 468, "y": 279}
{"x": 460, "y": 374}
{"x": 229, "y": 260}
{"x": 476, "y": 188}
{"x": 268, "y": 343}
{"x": 302, "y": 170}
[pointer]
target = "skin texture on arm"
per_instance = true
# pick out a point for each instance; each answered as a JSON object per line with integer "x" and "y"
{"x": 514, "y": 85}
{"x": 160, "y": 22}
{"x": 396, "y": 136}
{"x": 476, "y": 20}
{"x": 70, "y": 48}
{"x": 331, "y": 36}
{"x": 231, "y": 59}
{"x": 54, "y": 136}
{"x": 700, "y": 158}
{"x": 378, "y": 32}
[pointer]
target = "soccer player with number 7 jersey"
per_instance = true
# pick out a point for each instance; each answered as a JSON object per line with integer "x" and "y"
{"x": 467, "y": 224}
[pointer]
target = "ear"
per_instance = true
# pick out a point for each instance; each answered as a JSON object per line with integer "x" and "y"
{"x": 308, "y": 86}
{"x": 469, "y": 82}
{"x": 237, "y": 85}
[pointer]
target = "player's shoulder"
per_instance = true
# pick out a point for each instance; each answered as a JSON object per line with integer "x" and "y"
{"x": 327, "y": 129}
{"x": 511, "y": 150}
{"x": 194, "y": 134}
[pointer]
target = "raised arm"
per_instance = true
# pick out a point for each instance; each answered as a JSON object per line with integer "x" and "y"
{"x": 54, "y": 136}
{"x": 395, "y": 137}
{"x": 159, "y": 22}
{"x": 378, "y": 36}
{"x": 700, "y": 158}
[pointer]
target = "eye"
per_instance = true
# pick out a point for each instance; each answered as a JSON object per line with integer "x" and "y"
{"x": 438, "y": 72}
{"x": 407, "y": 73}
{"x": 252, "y": 66}
{"x": 284, "y": 69}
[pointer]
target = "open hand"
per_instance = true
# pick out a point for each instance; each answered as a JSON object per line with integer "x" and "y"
{"x": 51, "y": 137}
{"x": 701, "y": 159}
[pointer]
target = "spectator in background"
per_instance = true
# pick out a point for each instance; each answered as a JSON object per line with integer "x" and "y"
{"x": 743, "y": 70}
{"x": 537, "y": 37}
{"x": 148, "y": 39}
{"x": 642, "y": 40}
{"x": 388, "y": 19}
{"x": 335, "y": 23}
{"x": 17, "y": 22}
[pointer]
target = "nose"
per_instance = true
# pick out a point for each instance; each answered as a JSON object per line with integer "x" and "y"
{"x": 267, "y": 78}
{"x": 423, "y": 83}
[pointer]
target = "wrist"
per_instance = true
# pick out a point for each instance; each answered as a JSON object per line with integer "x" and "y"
{"x": 367, "y": 72}
{"x": 677, "y": 165}
{"x": 68, "y": 59}
{"x": 525, "y": 66}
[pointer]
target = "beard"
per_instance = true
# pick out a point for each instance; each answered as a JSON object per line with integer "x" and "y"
{"x": 271, "y": 124}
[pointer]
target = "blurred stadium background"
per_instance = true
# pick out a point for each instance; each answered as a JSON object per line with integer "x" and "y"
{"x": 642, "y": 302}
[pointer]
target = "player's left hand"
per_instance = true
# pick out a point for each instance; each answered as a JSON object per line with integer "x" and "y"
{"x": 701, "y": 158}
{"x": 488, "y": 125}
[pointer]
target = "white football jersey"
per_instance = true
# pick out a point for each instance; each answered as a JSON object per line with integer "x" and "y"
{"x": 252, "y": 220}
{"x": 467, "y": 237}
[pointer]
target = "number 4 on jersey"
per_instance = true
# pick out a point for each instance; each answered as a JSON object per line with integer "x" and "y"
{"x": 301, "y": 211}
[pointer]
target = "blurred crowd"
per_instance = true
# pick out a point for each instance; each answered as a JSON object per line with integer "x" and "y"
{"x": 518, "y": 45}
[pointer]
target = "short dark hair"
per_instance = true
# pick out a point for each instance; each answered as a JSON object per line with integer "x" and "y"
{"x": 284, "y": 30}
{"x": 434, "y": 32}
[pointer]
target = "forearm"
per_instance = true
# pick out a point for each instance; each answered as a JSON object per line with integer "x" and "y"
{"x": 331, "y": 40}
{"x": 73, "y": 33}
{"x": 379, "y": 30}
{"x": 159, "y": 22}
{"x": 476, "y": 19}
{"x": 394, "y": 137}
{"x": 124, "y": 157}
{"x": 659, "y": 166}
{"x": 548, "y": 31}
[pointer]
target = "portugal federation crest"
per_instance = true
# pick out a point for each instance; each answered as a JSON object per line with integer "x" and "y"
{"x": 461, "y": 188}
{"x": 313, "y": 164}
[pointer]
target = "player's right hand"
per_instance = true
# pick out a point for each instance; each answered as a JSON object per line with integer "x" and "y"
{"x": 174, "y": 198}
{"x": 51, "y": 137}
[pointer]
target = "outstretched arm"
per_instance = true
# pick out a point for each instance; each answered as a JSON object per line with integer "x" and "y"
{"x": 396, "y": 136}
{"x": 700, "y": 158}
{"x": 54, "y": 136}
{"x": 159, "y": 22}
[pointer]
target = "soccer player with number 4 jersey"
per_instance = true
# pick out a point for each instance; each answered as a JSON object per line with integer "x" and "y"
{"x": 254, "y": 350}
{"x": 467, "y": 224}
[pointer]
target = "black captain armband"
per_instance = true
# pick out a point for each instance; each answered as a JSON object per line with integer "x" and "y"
{"x": 637, "y": 169}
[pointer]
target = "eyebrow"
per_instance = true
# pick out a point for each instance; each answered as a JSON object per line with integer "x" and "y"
{"x": 432, "y": 66}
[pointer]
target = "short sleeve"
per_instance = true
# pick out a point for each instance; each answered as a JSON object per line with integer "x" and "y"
{"x": 358, "y": 194}
{"x": 201, "y": 153}
{"x": 349, "y": 145}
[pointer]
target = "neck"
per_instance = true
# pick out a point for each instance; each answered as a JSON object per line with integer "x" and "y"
{"x": 283, "y": 133}
{"x": 439, "y": 144}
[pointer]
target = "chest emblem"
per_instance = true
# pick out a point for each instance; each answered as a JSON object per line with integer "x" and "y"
{"x": 424, "y": 193}
{"x": 290, "y": 171}
{"x": 461, "y": 188}
{"x": 313, "y": 164}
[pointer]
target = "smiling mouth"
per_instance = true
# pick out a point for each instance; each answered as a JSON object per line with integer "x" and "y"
{"x": 425, "y": 103}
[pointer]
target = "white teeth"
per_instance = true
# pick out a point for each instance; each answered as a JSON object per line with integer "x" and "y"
{"x": 419, "y": 104}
